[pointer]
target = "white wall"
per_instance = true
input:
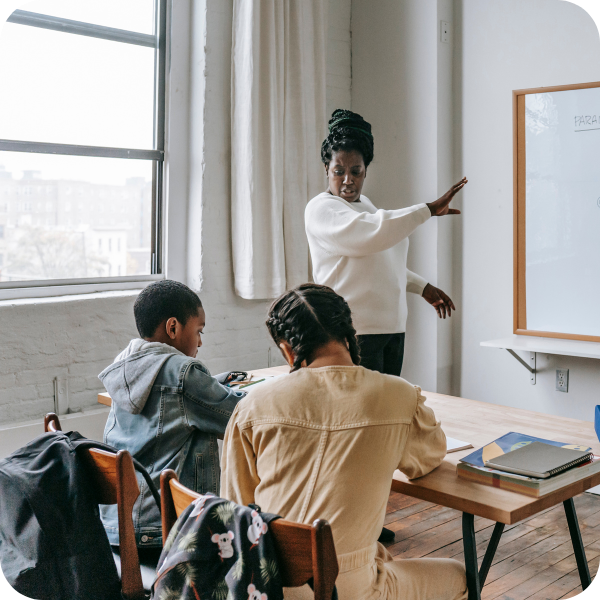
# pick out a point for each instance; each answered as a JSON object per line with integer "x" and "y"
{"x": 80, "y": 336}
{"x": 395, "y": 87}
{"x": 502, "y": 45}
{"x": 446, "y": 177}
{"x": 339, "y": 56}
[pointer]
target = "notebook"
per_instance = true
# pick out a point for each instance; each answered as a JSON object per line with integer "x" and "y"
{"x": 453, "y": 445}
{"x": 538, "y": 460}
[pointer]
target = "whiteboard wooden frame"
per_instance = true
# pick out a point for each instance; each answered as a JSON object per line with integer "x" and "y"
{"x": 519, "y": 195}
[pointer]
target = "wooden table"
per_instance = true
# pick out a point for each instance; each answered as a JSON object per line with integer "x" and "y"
{"x": 481, "y": 423}
{"x": 104, "y": 397}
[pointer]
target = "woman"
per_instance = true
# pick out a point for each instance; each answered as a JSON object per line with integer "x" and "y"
{"x": 361, "y": 252}
{"x": 324, "y": 441}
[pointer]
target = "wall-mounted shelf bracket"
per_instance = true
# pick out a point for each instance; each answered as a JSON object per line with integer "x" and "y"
{"x": 530, "y": 367}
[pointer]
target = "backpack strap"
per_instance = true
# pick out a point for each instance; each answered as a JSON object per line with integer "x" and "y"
{"x": 87, "y": 444}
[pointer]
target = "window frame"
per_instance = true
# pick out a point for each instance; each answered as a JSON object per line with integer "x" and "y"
{"x": 159, "y": 41}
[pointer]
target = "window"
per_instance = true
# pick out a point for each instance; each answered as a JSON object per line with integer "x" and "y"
{"x": 83, "y": 124}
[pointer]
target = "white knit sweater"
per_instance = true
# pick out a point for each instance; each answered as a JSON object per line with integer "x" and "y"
{"x": 361, "y": 252}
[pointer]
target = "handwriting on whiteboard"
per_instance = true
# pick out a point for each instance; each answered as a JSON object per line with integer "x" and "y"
{"x": 587, "y": 122}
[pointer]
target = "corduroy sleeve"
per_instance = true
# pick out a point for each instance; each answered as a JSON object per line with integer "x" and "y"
{"x": 425, "y": 447}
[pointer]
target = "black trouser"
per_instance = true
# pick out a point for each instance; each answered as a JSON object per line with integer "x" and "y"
{"x": 383, "y": 352}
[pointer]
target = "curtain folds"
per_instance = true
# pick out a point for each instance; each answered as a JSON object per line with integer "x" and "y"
{"x": 278, "y": 123}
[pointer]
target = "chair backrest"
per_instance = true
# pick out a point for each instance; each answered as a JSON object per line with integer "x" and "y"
{"x": 115, "y": 483}
{"x": 305, "y": 551}
{"x": 51, "y": 423}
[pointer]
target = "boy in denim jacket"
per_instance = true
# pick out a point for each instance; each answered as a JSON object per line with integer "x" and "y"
{"x": 167, "y": 410}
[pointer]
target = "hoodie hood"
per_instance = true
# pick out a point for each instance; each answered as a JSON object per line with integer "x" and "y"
{"x": 130, "y": 378}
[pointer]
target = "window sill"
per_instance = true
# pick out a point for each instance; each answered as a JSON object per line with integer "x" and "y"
{"x": 86, "y": 289}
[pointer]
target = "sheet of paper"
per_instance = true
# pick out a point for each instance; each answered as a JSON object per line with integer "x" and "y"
{"x": 594, "y": 490}
{"x": 453, "y": 445}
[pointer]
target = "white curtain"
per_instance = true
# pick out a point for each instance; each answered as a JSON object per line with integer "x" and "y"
{"x": 278, "y": 124}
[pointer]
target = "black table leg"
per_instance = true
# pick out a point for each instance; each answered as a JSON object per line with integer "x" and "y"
{"x": 475, "y": 577}
{"x": 489, "y": 553}
{"x": 470, "y": 548}
{"x": 578, "y": 549}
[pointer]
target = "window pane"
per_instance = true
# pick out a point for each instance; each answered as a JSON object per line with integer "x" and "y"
{"x": 132, "y": 15}
{"x": 71, "y": 89}
{"x": 70, "y": 217}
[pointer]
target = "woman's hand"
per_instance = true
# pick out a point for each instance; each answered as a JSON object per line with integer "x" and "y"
{"x": 439, "y": 208}
{"x": 438, "y": 300}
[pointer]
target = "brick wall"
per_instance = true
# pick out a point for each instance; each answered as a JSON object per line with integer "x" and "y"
{"x": 68, "y": 337}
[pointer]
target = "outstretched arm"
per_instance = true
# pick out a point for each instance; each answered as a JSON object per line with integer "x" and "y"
{"x": 440, "y": 207}
{"x": 340, "y": 230}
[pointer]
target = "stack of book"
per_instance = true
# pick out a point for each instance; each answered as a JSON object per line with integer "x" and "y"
{"x": 528, "y": 465}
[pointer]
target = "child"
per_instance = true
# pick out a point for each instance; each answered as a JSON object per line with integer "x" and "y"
{"x": 167, "y": 410}
{"x": 324, "y": 442}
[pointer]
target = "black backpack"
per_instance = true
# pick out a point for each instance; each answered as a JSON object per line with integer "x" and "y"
{"x": 52, "y": 542}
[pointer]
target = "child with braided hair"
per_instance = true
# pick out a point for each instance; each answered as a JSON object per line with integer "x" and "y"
{"x": 324, "y": 441}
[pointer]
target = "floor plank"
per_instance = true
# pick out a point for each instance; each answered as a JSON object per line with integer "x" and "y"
{"x": 534, "y": 560}
{"x": 396, "y": 515}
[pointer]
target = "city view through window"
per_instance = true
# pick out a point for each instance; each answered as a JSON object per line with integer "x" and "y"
{"x": 69, "y": 228}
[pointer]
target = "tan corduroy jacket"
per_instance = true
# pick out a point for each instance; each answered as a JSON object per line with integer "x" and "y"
{"x": 324, "y": 443}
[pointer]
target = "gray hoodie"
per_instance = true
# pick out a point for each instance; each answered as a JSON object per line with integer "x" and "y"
{"x": 130, "y": 378}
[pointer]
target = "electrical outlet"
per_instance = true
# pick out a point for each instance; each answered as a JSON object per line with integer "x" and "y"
{"x": 444, "y": 32}
{"x": 562, "y": 380}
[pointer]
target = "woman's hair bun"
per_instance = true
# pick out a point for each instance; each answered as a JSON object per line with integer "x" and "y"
{"x": 348, "y": 131}
{"x": 342, "y": 118}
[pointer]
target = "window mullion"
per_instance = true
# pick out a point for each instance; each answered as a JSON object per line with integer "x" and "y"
{"x": 75, "y": 150}
{"x": 23, "y": 17}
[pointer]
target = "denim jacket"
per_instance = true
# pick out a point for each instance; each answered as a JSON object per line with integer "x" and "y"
{"x": 167, "y": 411}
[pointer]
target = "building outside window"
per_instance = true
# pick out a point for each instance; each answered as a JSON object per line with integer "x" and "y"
{"x": 82, "y": 129}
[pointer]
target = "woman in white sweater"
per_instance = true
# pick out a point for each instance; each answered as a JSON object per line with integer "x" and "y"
{"x": 361, "y": 251}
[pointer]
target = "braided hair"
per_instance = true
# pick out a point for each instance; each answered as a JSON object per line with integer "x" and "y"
{"x": 348, "y": 131}
{"x": 310, "y": 316}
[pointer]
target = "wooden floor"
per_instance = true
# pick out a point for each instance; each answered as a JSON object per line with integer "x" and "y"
{"x": 534, "y": 559}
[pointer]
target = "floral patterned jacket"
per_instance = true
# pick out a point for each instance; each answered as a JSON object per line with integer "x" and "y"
{"x": 219, "y": 550}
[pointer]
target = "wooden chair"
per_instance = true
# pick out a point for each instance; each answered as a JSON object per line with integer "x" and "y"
{"x": 116, "y": 483}
{"x": 305, "y": 552}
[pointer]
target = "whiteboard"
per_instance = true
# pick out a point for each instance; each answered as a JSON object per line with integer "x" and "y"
{"x": 562, "y": 212}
